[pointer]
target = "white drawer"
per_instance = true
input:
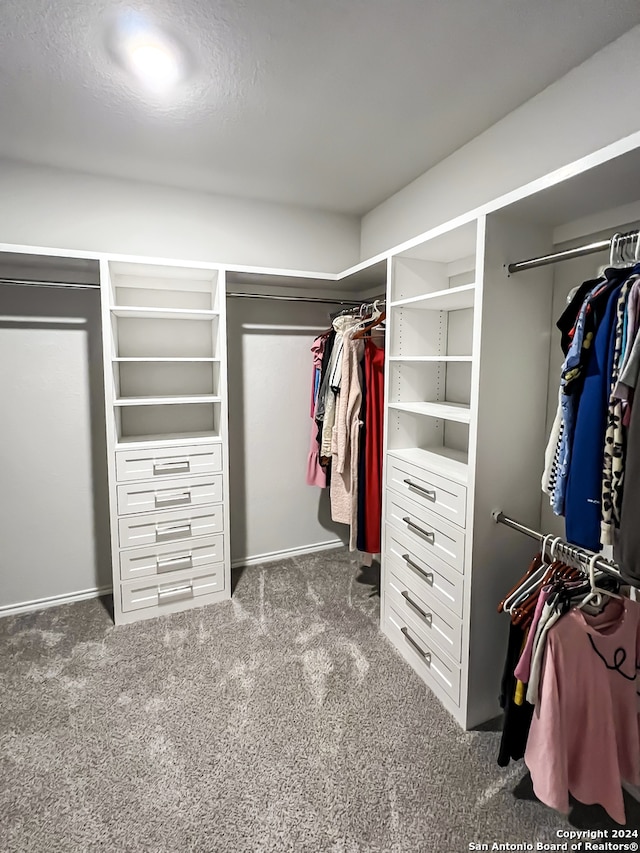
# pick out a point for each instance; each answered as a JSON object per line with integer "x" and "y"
{"x": 444, "y": 583}
{"x": 425, "y": 528}
{"x": 164, "y": 560}
{"x": 152, "y": 463}
{"x": 183, "y": 586}
{"x": 157, "y": 527}
{"x": 432, "y": 666}
{"x": 444, "y": 497}
{"x": 439, "y": 625}
{"x": 179, "y": 492}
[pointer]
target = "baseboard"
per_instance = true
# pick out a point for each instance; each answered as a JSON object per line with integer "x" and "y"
{"x": 53, "y": 601}
{"x": 288, "y": 552}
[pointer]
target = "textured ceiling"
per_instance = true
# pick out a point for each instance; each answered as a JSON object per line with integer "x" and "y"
{"x": 333, "y": 104}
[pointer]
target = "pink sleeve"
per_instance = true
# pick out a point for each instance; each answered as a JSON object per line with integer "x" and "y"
{"x": 546, "y": 752}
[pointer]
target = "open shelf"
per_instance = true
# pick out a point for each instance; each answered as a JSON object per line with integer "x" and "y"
{"x": 157, "y": 288}
{"x": 451, "y": 299}
{"x": 165, "y": 401}
{"x": 164, "y": 313}
{"x": 429, "y": 440}
{"x": 177, "y": 379}
{"x": 152, "y": 419}
{"x": 430, "y": 335}
{"x": 443, "y": 411}
{"x": 451, "y": 463}
{"x": 158, "y": 336}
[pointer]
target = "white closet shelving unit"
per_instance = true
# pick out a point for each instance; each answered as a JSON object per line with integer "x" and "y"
{"x": 469, "y": 389}
{"x": 165, "y": 370}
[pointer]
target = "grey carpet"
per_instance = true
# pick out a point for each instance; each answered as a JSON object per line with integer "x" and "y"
{"x": 279, "y": 721}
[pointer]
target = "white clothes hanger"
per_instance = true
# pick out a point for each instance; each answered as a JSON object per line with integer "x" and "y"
{"x": 529, "y": 585}
{"x": 596, "y": 594}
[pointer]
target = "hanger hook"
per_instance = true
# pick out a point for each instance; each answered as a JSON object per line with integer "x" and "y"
{"x": 612, "y": 249}
{"x": 553, "y": 547}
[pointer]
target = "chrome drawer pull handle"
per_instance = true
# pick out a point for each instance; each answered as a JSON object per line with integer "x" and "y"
{"x": 428, "y": 493}
{"x": 175, "y": 498}
{"x": 428, "y": 617}
{"x": 172, "y": 563}
{"x": 428, "y": 576}
{"x": 428, "y": 534}
{"x": 173, "y": 529}
{"x": 175, "y": 593}
{"x": 171, "y": 467}
{"x": 421, "y": 652}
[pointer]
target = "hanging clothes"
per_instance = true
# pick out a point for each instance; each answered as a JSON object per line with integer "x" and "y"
{"x": 316, "y": 474}
{"x": 585, "y": 737}
{"x": 374, "y": 356}
{"x": 341, "y": 326}
{"x": 346, "y": 439}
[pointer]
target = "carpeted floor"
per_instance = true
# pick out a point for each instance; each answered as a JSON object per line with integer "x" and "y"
{"x": 279, "y": 721}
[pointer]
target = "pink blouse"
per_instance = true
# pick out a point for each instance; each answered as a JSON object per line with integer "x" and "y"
{"x": 585, "y": 733}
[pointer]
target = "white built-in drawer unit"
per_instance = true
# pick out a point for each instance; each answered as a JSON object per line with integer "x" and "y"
{"x": 183, "y": 586}
{"x": 444, "y": 583}
{"x": 152, "y": 463}
{"x": 436, "y": 669}
{"x": 442, "y": 496}
{"x": 165, "y": 559}
{"x": 427, "y": 529}
{"x": 158, "y": 527}
{"x": 439, "y": 624}
{"x": 176, "y": 492}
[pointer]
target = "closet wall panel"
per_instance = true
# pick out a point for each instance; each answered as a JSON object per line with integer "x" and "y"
{"x": 54, "y": 514}
{"x": 273, "y": 510}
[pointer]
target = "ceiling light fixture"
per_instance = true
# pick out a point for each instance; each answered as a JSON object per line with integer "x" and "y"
{"x": 147, "y": 53}
{"x": 155, "y": 64}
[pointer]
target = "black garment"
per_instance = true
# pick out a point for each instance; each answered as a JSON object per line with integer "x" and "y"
{"x": 517, "y": 718}
{"x": 570, "y": 314}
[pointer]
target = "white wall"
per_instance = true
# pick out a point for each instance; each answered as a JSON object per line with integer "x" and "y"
{"x": 54, "y": 513}
{"x": 583, "y": 111}
{"x": 269, "y": 362}
{"x": 60, "y": 209}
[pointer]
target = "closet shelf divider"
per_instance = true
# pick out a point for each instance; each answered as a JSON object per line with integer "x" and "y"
{"x": 444, "y": 460}
{"x": 451, "y": 299}
{"x": 167, "y": 401}
{"x": 164, "y": 360}
{"x": 432, "y": 358}
{"x": 445, "y": 411}
{"x": 164, "y": 313}
{"x": 164, "y": 439}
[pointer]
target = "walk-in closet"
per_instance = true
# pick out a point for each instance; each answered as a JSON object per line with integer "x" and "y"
{"x": 319, "y": 347}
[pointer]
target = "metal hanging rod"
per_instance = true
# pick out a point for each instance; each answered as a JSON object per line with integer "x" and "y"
{"x": 25, "y": 282}
{"x": 567, "y": 254}
{"x": 570, "y": 550}
{"x": 294, "y": 298}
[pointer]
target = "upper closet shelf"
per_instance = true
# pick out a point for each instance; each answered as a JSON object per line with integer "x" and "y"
{"x": 445, "y": 411}
{"x": 451, "y": 299}
{"x": 453, "y": 464}
{"x": 166, "y": 401}
{"x": 164, "y": 313}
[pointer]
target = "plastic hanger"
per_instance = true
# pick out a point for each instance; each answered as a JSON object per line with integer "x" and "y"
{"x": 596, "y": 594}
{"x": 530, "y": 583}
{"x": 379, "y": 318}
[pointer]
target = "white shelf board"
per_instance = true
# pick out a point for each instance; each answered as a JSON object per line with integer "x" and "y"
{"x": 432, "y": 358}
{"x": 173, "y": 400}
{"x": 163, "y": 313}
{"x": 452, "y": 299}
{"x": 163, "y": 360}
{"x": 171, "y": 438}
{"x": 445, "y": 411}
{"x": 451, "y": 463}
